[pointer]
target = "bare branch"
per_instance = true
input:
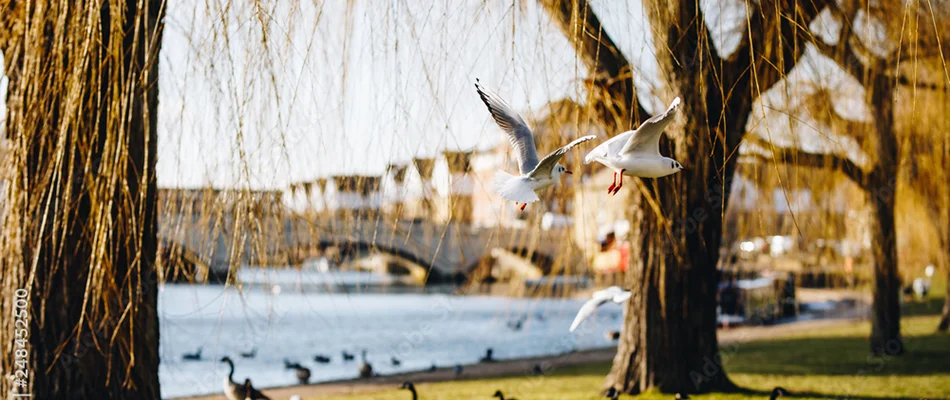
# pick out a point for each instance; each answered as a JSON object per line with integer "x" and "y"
{"x": 609, "y": 69}
{"x": 777, "y": 25}
{"x": 798, "y": 157}
{"x": 905, "y": 81}
{"x": 843, "y": 52}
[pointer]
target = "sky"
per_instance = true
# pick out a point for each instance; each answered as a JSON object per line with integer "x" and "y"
{"x": 262, "y": 94}
{"x": 278, "y": 94}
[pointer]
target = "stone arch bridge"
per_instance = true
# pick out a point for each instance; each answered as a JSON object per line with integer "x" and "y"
{"x": 449, "y": 251}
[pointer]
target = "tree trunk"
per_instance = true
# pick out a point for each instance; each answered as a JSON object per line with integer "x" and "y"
{"x": 79, "y": 233}
{"x": 669, "y": 337}
{"x": 669, "y": 341}
{"x": 886, "y": 311}
{"x": 945, "y": 317}
{"x": 882, "y": 190}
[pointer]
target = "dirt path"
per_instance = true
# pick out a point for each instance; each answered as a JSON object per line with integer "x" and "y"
{"x": 526, "y": 365}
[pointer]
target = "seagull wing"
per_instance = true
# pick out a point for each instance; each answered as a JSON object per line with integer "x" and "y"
{"x": 608, "y": 147}
{"x": 622, "y": 297}
{"x": 586, "y": 310}
{"x": 646, "y": 139}
{"x": 549, "y": 161}
{"x": 519, "y": 135}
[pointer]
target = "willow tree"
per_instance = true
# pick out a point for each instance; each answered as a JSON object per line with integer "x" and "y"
{"x": 875, "y": 62}
{"x": 79, "y": 222}
{"x": 669, "y": 338}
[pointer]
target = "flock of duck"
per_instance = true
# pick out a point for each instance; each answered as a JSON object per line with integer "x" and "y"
{"x": 244, "y": 391}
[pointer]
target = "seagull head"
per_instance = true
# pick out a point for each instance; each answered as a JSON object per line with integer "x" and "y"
{"x": 677, "y": 167}
{"x": 560, "y": 170}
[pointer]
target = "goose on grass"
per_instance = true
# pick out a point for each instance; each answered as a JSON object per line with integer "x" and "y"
{"x": 411, "y": 388}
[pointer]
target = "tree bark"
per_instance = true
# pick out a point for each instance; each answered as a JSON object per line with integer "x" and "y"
{"x": 79, "y": 231}
{"x": 882, "y": 189}
{"x": 945, "y": 316}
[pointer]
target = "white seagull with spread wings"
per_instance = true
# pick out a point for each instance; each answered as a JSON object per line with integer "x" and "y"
{"x": 637, "y": 153}
{"x": 615, "y": 294}
{"x": 534, "y": 174}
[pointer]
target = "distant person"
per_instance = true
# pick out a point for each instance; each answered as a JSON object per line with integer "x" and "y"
{"x": 788, "y": 296}
{"x": 608, "y": 241}
{"x": 729, "y": 300}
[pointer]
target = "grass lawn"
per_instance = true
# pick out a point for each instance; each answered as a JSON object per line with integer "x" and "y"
{"x": 832, "y": 363}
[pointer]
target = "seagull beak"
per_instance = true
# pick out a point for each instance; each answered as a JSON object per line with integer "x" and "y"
{"x": 569, "y": 172}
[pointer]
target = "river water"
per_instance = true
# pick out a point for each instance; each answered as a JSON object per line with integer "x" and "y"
{"x": 293, "y": 323}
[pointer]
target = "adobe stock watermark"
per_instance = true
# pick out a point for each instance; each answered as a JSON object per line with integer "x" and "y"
{"x": 21, "y": 343}
{"x": 415, "y": 338}
{"x": 715, "y": 364}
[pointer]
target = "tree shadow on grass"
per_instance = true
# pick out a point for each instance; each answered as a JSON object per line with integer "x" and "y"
{"x": 924, "y": 355}
{"x": 792, "y": 395}
{"x": 930, "y": 306}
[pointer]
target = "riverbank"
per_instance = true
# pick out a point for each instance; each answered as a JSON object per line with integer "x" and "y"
{"x": 550, "y": 365}
{"x": 820, "y": 361}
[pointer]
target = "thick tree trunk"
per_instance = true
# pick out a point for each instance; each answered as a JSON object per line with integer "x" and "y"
{"x": 669, "y": 337}
{"x": 945, "y": 316}
{"x": 79, "y": 233}
{"x": 669, "y": 341}
{"x": 882, "y": 189}
{"x": 885, "y": 309}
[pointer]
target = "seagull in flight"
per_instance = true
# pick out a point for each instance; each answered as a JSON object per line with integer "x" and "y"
{"x": 637, "y": 153}
{"x": 534, "y": 174}
{"x": 615, "y": 294}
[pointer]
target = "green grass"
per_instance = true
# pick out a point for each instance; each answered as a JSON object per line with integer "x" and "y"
{"x": 831, "y": 363}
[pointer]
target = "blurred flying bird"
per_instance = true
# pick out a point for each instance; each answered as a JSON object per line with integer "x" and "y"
{"x": 637, "y": 153}
{"x": 534, "y": 174}
{"x": 613, "y": 293}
